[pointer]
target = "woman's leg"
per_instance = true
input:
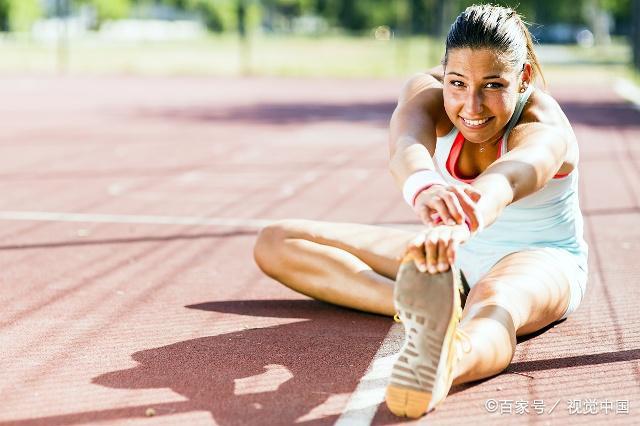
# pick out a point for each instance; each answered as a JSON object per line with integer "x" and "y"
{"x": 347, "y": 264}
{"x": 522, "y": 293}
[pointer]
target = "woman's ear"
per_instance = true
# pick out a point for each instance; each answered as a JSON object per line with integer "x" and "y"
{"x": 527, "y": 73}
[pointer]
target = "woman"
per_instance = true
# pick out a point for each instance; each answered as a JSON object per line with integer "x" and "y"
{"x": 489, "y": 165}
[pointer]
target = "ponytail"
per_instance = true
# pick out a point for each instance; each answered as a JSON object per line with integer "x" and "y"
{"x": 536, "y": 69}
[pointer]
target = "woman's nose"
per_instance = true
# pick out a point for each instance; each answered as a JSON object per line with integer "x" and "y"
{"x": 473, "y": 103}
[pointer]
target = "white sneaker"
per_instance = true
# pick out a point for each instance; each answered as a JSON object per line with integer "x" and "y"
{"x": 430, "y": 309}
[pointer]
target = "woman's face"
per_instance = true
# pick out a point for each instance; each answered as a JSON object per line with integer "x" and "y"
{"x": 480, "y": 92}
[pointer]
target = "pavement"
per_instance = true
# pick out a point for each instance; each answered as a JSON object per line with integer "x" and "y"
{"x": 129, "y": 294}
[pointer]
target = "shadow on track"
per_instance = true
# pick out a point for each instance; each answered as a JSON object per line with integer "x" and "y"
{"x": 306, "y": 367}
{"x": 293, "y": 368}
{"x": 602, "y": 114}
{"x": 323, "y": 354}
{"x": 133, "y": 240}
{"x": 282, "y": 113}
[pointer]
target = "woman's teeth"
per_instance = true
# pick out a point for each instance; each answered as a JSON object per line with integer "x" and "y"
{"x": 475, "y": 122}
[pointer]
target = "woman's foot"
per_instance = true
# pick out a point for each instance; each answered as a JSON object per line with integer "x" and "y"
{"x": 429, "y": 307}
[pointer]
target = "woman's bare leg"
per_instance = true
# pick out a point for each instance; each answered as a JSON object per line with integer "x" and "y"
{"x": 347, "y": 264}
{"x": 522, "y": 293}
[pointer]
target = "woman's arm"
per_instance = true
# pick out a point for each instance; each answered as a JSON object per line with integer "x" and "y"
{"x": 412, "y": 137}
{"x": 437, "y": 73}
{"x": 537, "y": 152}
{"x": 414, "y": 126}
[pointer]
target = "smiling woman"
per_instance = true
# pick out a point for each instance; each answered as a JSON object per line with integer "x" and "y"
{"x": 481, "y": 104}
{"x": 488, "y": 163}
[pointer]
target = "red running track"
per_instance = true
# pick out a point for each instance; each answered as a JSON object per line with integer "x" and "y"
{"x": 118, "y": 298}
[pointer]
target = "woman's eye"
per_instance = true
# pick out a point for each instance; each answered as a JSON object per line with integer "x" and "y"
{"x": 494, "y": 85}
{"x": 457, "y": 83}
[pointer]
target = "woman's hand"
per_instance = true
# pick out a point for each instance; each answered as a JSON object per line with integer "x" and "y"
{"x": 435, "y": 249}
{"x": 450, "y": 205}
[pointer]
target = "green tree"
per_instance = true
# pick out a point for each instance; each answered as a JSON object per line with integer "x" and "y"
{"x": 108, "y": 9}
{"x": 112, "y": 9}
{"x": 19, "y": 15}
{"x": 362, "y": 15}
{"x": 217, "y": 15}
{"x": 4, "y": 15}
{"x": 621, "y": 10}
{"x": 635, "y": 33}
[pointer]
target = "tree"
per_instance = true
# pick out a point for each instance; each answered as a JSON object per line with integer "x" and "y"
{"x": 108, "y": 9}
{"x": 19, "y": 15}
{"x": 635, "y": 33}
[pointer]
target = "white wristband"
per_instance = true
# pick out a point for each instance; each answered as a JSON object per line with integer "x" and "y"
{"x": 418, "y": 181}
{"x": 437, "y": 220}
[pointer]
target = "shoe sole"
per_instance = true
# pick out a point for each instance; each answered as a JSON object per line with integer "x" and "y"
{"x": 426, "y": 305}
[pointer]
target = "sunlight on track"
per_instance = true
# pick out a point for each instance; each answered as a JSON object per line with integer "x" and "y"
{"x": 627, "y": 90}
{"x": 269, "y": 381}
{"x": 369, "y": 393}
{"x": 332, "y": 406}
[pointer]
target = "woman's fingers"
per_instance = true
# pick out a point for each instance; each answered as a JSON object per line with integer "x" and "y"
{"x": 424, "y": 213}
{"x": 431, "y": 251}
{"x": 443, "y": 261}
{"x": 447, "y": 202}
{"x": 459, "y": 235}
{"x": 440, "y": 207}
{"x": 469, "y": 207}
{"x": 442, "y": 201}
{"x": 436, "y": 249}
{"x": 454, "y": 243}
{"x": 454, "y": 208}
{"x": 473, "y": 193}
{"x": 451, "y": 251}
{"x": 416, "y": 251}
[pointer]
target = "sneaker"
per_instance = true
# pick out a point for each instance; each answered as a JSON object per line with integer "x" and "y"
{"x": 429, "y": 307}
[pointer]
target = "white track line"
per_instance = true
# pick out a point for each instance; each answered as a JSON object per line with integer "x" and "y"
{"x": 149, "y": 219}
{"x": 125, "y": 218}
{"x": 627, "y": 90}
{"x": 369, "y": 393}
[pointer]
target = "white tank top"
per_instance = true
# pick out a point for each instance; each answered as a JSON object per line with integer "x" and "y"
{"x": 550, "y": 217}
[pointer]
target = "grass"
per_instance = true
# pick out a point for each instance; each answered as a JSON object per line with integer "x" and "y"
{"x": 326, "y": 56}
{"x": 224, "y": 55}
{"x": 633, "y": 75}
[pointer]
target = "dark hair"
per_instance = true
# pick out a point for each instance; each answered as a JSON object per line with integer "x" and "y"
{"x": 497, "y": 28}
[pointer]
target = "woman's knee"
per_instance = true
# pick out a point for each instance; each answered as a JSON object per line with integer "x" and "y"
{"x": 267, "y": 244}
{"x": 268, "y": 249}
{"x": 493, "y": 292}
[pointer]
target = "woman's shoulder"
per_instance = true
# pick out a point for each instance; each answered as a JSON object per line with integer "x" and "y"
{"x": 542, "y": 107}
{"x": 421, "y": 85}
{"x": 423, "y": 91}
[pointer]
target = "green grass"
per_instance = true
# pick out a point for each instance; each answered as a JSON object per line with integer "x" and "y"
{"x": 633, "y": 75}
{"x": 326, "y": 56}
{"x": 223, "y": 55}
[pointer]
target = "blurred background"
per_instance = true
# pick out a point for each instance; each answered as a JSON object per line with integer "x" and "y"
{"x": 337, "y": 38}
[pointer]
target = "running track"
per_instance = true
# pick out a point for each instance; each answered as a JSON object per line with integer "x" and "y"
{"x": 128, "y": 213}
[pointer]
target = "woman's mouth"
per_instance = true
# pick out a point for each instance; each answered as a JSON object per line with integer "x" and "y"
{"x": 475, "y": 124}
